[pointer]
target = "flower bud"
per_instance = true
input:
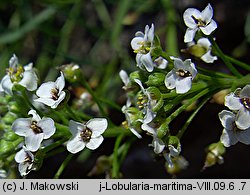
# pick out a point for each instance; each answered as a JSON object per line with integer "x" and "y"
{"x": 214, "y": 154}
{"x": 196, "y": 50}
{"x": 71, "y": 72}
{"x": 155, "y": 93}
{"x": 10, "y": 136}
{"x": 137, "y": 75}
{"x": 156, "y": 79}
{"x": 163, "y": 130}
{"x": 179, "y": 164}
{"x": 9, "y": 118}
{"x": 5, "y": 147}
{"x": 13, "y": 107}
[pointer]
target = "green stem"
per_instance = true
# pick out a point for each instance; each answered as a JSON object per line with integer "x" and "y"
{"x": 238, "y": 63}
{"x": 224, "y": 59}
{"x": 72, "y": 114}
{"x": 55, "y": 144}
{"x": 190, "y": 119}
{"x": 115, "y": 164}
{"x": 188, "y": 103}
{"x": 27, "y": 100}
{"x": 63, "y": 166}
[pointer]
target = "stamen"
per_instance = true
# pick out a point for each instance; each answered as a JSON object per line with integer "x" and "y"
{"x": 183, "y": 73}
{"x": 199, "y": 22}
{"x": 86, "y": 135}
{"x": 246, "y": 102}
{"x": 35, "y": 128}
{"x": 54, "y": 93}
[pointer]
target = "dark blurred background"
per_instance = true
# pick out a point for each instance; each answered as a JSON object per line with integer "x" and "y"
{"x": 96, "y": 35}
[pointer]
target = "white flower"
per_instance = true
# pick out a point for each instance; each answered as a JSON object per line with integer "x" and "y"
{"x": 17, "y": 74}
{"x": 129, "y": 118}
{"x": 3, "y": 174}
{"x": 204, "y": 48}
{"x": 26, "y": 160}
{"x": 86, "y": 135}
{"x": 160, "y": 63}
{"x": 34, "y": 129}
{"x": 125, "y": 79}
{"x": 143, "y": 41}
{"x": 146, "y": 103}
{"x": 240, "y": 101}
{"x": 196, "y": 20}
{"x": 157, "y": 143}
{"x": 142, "y": 45}
{"x": 181, "y": 76}
{"x": 51, "y": 93}
{"x": 173, "y": 152}
{"x": 231, "y": 134}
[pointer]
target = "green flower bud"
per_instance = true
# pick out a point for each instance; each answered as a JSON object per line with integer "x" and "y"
{"x": 13, "y": 107}
{"x": 156, "y": 79}
{"x": 102, "y": 166}
{"x": 9, "y": 118}
{"x": 155, "y": 93}
{"x": 214, "y": 154}
{"x": 137, "y": 75}
{"x": 71, "y": 72}
{"x": 163, "y": 130}
{"x": 6, "y": 147}
{"x": 174, "y": 141}
{"x": 10, "y": 136}
{"x": 196, "y": 50}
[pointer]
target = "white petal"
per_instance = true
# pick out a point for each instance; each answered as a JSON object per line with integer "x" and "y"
{"x": 149, "y": 116}
{"x": 169, "y": 160}
{"x": 228, "y": 138}
{"x": 20, "y": 156}
{"x": 47, "y": 101}
{"x": 60, "y": 82}
{"x": 189, "y": 35}
{"x": 139, "y": 34}
{"x": 204, "y": 42}
{"x": 13, "y": 62}
{"x": 150, "y": 34}
{"x": 187, "y": 16}
{"x": 34, "y": 114}
{"x": 7, "y": 84}
{"x": 60, "y": 99}
{"x": 160, "y": 63}
{"x": 183, "y": 85}
{"x": 21, "y": 126}
{"x": 149, "y": 129}
{"x": 94, "y": 143}
{"x": 75, "y": 127}
{"x": 140, "y": 84}
{"x": 245, "y": 92}
{"x": 170, "y": 80}
{"x": 48, "y": 127}
{"x": 24, "y": 168}
{"x": 208, "y": 58}
{"x": 146, "y": 60}
{"x": 28, "y": 67}
{"x": 97, "y": 126}
{"x": 243, "y": 119}
{"x": 233, "y": 102}
{"x": 158, "y": 145}
{"x": 227, "y": 119}
{"x": 136, "y": 43}
{"x": 174, "y": 151}
{"x": 29, "y": 80}
{"x": 124, "y": 77}
{"x": 207, "y": 13}
{"x": 45, "y": 89}
{"x": 135, "y": 132}
{"x": 207, "y": 30}
{"x": 75, "y": 144}
{"x": 33, "y": 142}
{"x": 244, "y": 136}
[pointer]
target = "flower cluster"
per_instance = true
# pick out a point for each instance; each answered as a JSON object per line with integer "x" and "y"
{"x": 157, "y": 94}
{"x": 236, "y": 122}
{"x": 39, "y": 126}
